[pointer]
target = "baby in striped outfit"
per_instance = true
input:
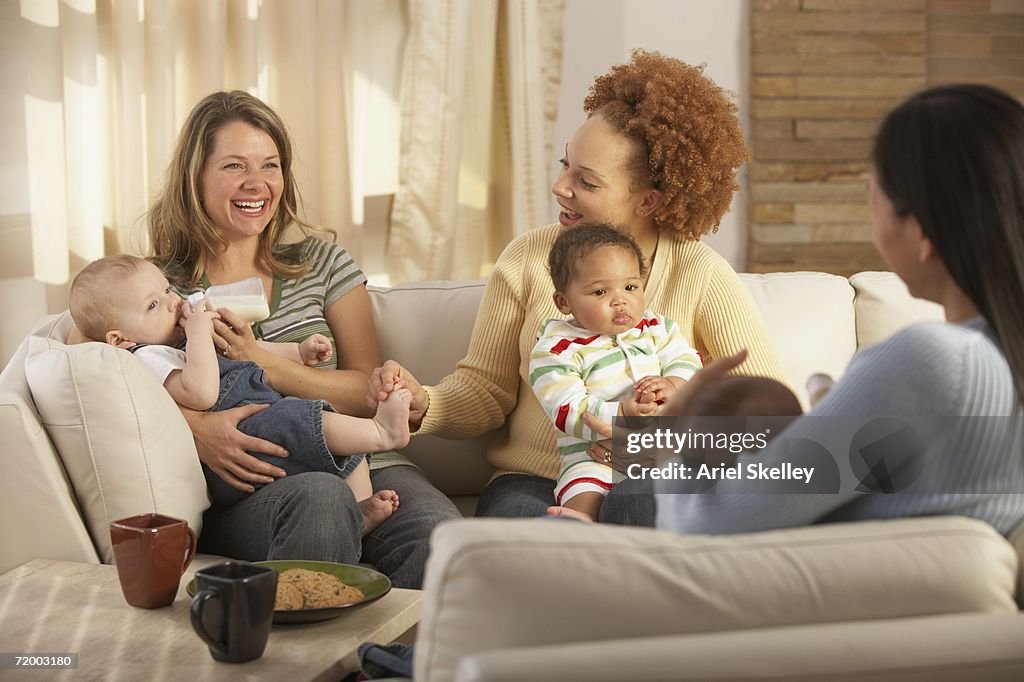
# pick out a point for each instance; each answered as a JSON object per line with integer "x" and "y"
{"x": 611, "y": 357}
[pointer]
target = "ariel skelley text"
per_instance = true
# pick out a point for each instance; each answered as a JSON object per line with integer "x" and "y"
{"x": 753, "y": 471}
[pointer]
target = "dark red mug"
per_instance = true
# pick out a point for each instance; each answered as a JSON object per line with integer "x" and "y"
{"x": 151, "y": 552}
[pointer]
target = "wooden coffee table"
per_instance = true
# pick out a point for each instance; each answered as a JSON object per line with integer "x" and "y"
{"x": 55, "y": 607}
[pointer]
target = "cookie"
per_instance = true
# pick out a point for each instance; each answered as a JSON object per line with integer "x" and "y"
{"x": 331, "y": 593}
{"x": 289, "y": 597}
{"x": 315, "y": 589}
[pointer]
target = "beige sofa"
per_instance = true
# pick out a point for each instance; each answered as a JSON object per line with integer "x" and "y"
{"x": 913, "y": 599}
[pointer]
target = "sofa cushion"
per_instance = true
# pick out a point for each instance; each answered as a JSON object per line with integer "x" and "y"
{"x": 883, "y": 306}
{"x": 430, "y": 348}
{"x": 809, "y": 316}
{"x": 124, "y": 444}
{"x": 946, "y": 648}
{"x": 628, "y": 582}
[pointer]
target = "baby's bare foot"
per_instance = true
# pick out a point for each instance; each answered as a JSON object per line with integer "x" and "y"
{"x": 392, "y": 419}
{"x": 378, "y": 508}
{"x": 570, "y": 513}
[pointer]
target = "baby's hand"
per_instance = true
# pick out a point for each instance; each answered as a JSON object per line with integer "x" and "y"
{"x": 197, "y": 322}
{"x": 818, "y": 385}
{"x": 634, "y": 408}
{"x": 653, "y": 389}
{"x": 315, "y": 349}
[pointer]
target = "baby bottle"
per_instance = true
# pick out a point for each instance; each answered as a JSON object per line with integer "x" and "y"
{"x": 245, "y": 298}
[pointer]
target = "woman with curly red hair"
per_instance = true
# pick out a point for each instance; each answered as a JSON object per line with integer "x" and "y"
{"x": 656, "y": 158}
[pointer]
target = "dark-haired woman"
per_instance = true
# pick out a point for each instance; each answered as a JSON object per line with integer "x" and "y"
{"x": 947, "y": 206}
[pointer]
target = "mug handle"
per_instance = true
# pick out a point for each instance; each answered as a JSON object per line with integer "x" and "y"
{"x": 193, "y": 542}
{"x": 198, "y": 604}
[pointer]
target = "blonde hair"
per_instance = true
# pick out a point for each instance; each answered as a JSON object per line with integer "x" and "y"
{"x": 183, "y": 239}
{"x": 93, "y": 308}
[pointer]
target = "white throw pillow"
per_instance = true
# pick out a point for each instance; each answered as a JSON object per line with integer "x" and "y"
{"x": 125, "y": 446}
{"x": 810, "y": 318}
{"x": 884, "y": 306}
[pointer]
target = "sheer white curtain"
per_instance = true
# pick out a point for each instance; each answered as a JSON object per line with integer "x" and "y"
{"x": 479, "y": 92}
{"x": 95, "y": 92}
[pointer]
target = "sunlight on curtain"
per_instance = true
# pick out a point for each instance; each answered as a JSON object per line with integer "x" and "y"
{"x": 479, "y": 91}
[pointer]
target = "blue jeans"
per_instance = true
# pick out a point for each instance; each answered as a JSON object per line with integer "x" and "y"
{"x": 629, "y": 503}
{"x": 314, "y": 516}
{"x": 293, "y": 423}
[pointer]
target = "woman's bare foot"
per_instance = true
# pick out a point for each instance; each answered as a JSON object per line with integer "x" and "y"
{"x": 392, "y": 419}
{"x": 570, "y": 514}
{"x": 378, "y": 508}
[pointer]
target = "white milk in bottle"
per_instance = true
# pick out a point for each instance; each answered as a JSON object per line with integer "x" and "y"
{"x": 245, "y": 298}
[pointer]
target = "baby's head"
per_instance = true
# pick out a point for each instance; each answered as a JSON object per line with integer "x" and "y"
{"x": 744, "y": 396}
{"x": 598, "y": 273}
{"x": 125, "y": 300}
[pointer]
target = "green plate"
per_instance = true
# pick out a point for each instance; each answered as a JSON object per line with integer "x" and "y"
{"x": 372, "y": 583}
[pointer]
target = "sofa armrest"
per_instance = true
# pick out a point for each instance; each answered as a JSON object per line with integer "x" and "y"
{"x": 492, "y": 584}
{"x": 38, "y": 516}
{"x": 935, "y": 648}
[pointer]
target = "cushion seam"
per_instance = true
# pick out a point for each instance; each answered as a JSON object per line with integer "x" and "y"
{"x": 753, "y": 546}
{"x": 138, "y": 427}
{"x": 85, "y": 428}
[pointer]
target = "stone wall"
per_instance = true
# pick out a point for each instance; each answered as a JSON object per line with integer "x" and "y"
{"x": 823, "y": 73}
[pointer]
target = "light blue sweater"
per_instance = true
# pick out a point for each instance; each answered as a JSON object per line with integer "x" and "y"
{"x": 950, "y": 382}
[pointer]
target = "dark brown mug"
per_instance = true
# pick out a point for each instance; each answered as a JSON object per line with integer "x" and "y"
{"x": 234, "y": 608}
{"x": 151, "y": 552}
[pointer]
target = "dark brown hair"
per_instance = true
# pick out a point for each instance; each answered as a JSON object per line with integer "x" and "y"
{"x": 953, "y": 157}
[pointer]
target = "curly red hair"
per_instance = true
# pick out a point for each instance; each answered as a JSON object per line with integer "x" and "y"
{"x": 688, "y": 127}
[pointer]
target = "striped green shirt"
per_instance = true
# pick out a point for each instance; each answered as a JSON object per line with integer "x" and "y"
{"x": 298, "y": 307}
